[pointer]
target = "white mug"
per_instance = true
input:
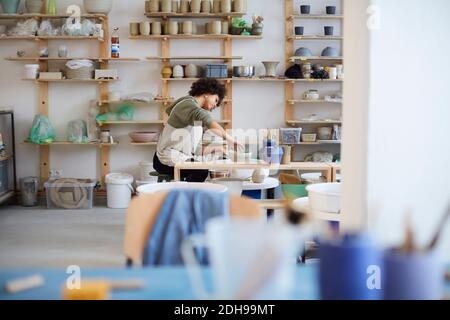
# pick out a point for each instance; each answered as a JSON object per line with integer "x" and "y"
{"x": 332, "y": 73}
{"x": 249, "y": 258}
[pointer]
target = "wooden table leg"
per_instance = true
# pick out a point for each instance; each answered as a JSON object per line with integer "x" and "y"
{"x": 176, "y": 173}
{"x": 328, "y": 174}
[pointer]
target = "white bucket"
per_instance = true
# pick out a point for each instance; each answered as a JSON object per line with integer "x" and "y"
{"x": 31, "y": 71}
{"x": 119, "y": 189}
{"x": 146, "y": 168}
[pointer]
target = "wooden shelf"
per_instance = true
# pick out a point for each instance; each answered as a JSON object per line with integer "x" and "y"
{"x": 315, "y": 58}
{"x": 267, "y": 79}
{"x": 313, "y": 80}
{"x": 68, "y": 143}
{"x": 315, "y": 16}
{"x": 47, "y": 16}
{"x": 152, "y": 102}
{"x": 195, "y": 36}
{"x": 51, "y": 38}
{"x": 295, "y": 122}
{"x": 143, "y": 143}
{"x": 73, "y": 58}
{"x": 318, "y": 142}
{"x": 131, "y": 122}
{"x": 73, "y": 80}
{"x": 195, "y": 58}
{"x": 299, "y": 38}
{"x": 313, "y": 101}
{"x": 165, "y": 15}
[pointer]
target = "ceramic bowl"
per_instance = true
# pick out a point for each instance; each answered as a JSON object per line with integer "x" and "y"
{"x": 330, "y": 52}
{"x": 324, "y": 133}
{"x": 303, "y": 52}
{"x": 243, "y": 71}
{"x": 142, "y": 137}
{"x": 98, "y": 6}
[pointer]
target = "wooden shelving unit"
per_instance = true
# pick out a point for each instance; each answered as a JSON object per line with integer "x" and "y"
{"x": 291, "y": 102}
{"x": 43, "y": 109}
{"x": 227, "y": 57}
{"x": 73, "y": 58}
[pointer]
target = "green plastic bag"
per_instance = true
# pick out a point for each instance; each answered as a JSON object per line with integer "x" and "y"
{"x": 124, "y": 113}
{"x": 42, "y": 130}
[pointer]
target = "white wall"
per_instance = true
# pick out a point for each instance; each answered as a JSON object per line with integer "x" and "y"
{"x": 256, "y": 105}
{"x": 409, "y": 150}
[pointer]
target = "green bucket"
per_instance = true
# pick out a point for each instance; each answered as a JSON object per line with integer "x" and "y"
{"x": 294, "y": 191}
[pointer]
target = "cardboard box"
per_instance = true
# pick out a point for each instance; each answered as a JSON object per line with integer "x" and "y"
{"x": 50, "y": 75}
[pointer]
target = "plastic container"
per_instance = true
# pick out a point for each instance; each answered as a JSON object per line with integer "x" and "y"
{"x": 325, "y": 197}
{"x": 31, "y": 71}
{"x": 3, "y": 176}
{"x": 28, "y": 190}
{"x": 118, "y": 189}
{"x": 218, "y": 70}
{"x": 290, "y": 135}
{"x": 70, "y": 193}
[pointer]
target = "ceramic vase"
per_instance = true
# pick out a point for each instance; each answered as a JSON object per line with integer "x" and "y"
{"x": 271, "y": 68}
{"x": 239, "y": 6}
{"x": 195, "y": 6}
{"x": 191, "y": 71}
{"x": 225, "y": 6}
{"x": 187, "y": 27}
{"x": 144, "y": 28}
{"x": 34, "y": 6}
{"x": 166, "y": 72}
{"x": 178, "y": 71}
{"x": 206, "y": 6}
{"x": 216, "y": 6}
{"x": 134, "y": 28}
{"x": 225, "y": 27}
{"x": 175, "y": 6}
{"x": 257, "y": 29}
{"x": 216, "y": 27}
{"x": 154, "y": 6}
{"x": 10, "y": 6}
{"x": 166, "y": 6}
{"x": 173, "y": 27}
{"x": 185, "y": 6}
{"x": 156, "y": 28}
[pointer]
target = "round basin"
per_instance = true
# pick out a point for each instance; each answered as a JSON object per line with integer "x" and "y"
{"x": 169, "y": 186}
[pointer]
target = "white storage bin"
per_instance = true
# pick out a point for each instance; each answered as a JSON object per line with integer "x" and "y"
{"x": 70, "y": 193}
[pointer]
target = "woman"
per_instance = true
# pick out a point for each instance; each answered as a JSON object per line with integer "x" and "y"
{"x": 181, "y": 138}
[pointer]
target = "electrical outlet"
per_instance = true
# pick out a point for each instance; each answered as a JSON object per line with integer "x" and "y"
{"x": 56, "y": 173}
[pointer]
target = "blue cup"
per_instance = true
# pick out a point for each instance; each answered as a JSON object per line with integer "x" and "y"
{"x": 416, "y": 276}
{"x": 350, "y": 269}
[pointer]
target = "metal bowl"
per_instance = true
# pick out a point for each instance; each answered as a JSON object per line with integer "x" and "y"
{"x": 243, "y": 71}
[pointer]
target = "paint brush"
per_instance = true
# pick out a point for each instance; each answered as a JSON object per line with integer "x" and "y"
{"x": 440, "y": 229}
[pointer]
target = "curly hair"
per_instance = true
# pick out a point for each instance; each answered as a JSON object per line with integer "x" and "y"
{"x": 208, "y": 86}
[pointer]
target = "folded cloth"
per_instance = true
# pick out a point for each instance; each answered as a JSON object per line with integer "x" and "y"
{"x": 183, "y": 213}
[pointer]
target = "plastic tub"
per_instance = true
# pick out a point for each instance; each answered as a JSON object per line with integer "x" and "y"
{"x": 70, "y": 193}
{"x": 168, "y": 186}
{"x": 325, "y": 197}
{"x": 119, "y": 189}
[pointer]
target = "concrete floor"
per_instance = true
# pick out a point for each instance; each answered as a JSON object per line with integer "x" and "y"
{"x": 38, "y": 237}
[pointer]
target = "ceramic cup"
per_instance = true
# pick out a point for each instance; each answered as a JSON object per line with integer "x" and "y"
{"x": 225, "y": 27}
{"x": 104, "y": 136}
{"x": 156, "y": 28}
{"x": 299, "y": 31}
{"x": 306, "y": 70}
{"x": 175, "y": 6}
{"x": 187, "y": 27}
{"x": 339, "y": 71}
{"x": 166, "y": 5}
{"x": 305, "y": 9}
{"x": 216, "y": 6}
{"x": 194, "y": 28}
{"x": 225, "y": 6}
{"x": 238, "y": 6}
{"x": 206, "y": 6}
{"x": 331, "y": 9}
{"x": 216, "y": 27}
{"x": 134, "y": 28}
{"x": 173, "y": 27}
{"x": 62, "y": 51}
{"x": 332, "y": 73}
{"x": 328, "y": 30}
{"x": 185, "y": 6}
{"x": 195, "y": 6}
{"x": 144, "y": 28}
{"x": 153, "y": 6}
{"x": 415, "y": 276}
{"x": 344, "y": 268}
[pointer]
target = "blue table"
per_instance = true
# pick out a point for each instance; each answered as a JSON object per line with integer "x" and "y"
{"x": 161, "y": 283}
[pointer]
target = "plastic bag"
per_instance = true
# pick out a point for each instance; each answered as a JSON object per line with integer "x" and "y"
{"x": 77, "y": 131}
{"x": 125, "y": 113}
{"x": 42, "y": 130}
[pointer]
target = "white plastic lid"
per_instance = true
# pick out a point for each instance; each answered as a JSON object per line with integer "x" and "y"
{"x": 119, "y": 178}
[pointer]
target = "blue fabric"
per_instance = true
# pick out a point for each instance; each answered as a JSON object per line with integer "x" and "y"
{"x": 183, "y": 213}
{"x": 254, "y": 194}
